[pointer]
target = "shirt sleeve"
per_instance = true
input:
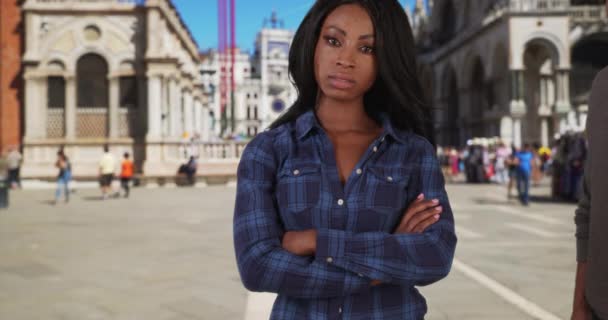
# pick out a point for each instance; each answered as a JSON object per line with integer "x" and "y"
{"x": 581, "y": 216}
{"x": 405, "y": 259}
{"x": 263, "y": 264}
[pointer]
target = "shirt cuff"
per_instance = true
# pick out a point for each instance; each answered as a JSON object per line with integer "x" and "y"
{"x": 581, "y": 250}
{"x": 330, "y": 244}
{"x": 331, "y": 248}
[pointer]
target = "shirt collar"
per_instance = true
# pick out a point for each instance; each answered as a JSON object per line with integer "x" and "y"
{"x": 305, "y": 123}
{"x": 308, "y": 121}
{"x": 390, "y": 130}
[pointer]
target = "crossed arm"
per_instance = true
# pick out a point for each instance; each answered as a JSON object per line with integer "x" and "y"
{"x": 298, "y": 263}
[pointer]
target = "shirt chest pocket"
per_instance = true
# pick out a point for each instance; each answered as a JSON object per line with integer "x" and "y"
{"x": 298, "y": 188}
{"x": 386, "y": 189}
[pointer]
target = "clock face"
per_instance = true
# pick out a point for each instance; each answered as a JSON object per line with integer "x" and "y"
{"x": 278, "y": 105}
{"x": 281, "y": 48}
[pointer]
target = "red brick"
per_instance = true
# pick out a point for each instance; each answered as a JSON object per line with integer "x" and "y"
{"x": 11, "y": 83}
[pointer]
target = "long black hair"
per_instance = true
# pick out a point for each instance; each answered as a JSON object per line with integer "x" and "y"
{"x": 397, "y": 90}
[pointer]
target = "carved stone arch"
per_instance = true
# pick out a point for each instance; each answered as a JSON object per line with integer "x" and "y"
{"x": 98, "y": 50}
{"x": 469, "y": 60}
{"x": 552, "y": 43}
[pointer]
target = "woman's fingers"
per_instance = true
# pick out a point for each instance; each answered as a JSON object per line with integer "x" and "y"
{"x": 416, "y": 208}
{"x": 423, "y": 216}
{"x": 424, "y": 224}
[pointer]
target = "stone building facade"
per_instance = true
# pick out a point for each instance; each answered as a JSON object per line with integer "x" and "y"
{"x": 262, "y": 89}
{"x": 119, "y": 72}
{"x": 517, "y": 69}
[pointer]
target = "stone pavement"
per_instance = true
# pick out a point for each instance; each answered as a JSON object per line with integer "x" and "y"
{"x": 167, "y": 254}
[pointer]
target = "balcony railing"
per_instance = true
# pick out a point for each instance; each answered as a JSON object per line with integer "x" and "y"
{"x": 587, "y": 13}
{"x": 82, "y": 4}
{"x": 538, "y": 5}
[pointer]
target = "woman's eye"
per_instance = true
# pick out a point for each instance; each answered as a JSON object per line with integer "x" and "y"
{"x": 332, "y": 41}
{"x": 367, "y": 49}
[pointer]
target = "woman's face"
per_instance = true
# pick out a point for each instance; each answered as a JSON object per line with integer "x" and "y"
{"x": 345, "y": 62}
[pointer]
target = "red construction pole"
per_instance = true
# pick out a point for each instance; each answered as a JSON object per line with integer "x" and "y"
{"x": 232, "y": 58}
{"x": 222, "y": 61}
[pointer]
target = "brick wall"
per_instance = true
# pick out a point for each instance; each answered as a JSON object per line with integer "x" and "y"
{"x": 11, "y": 83}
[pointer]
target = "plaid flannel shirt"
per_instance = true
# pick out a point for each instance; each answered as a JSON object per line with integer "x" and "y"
{"x": 288, "y": 180}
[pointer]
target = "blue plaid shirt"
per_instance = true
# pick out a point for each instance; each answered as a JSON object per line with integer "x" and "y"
{"x": 288, "y": 180}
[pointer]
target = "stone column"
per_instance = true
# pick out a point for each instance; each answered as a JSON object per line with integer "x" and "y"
{"x": 113, "y": 110}
{"x": 197, "y": 116}
{"x": 70, "y": 107}
{"x": 544, "y": 131}
{"x": 35, "y": 122}
{"x": 506, "y": 130}
{"x": 154, "y": 109}
{"x": 164, "y": 100}
{"x": 562, "y": 105}
{"x": 517, "y": 92}
{"x": 517, "y": 132}
{"x": 543, "y": 93}
{"x": 174, "y": 108}
{"x": 188, "y": 113}
{"x": 563, "y": 91}
{"x": 206, "y": 125}
{"x": 518, "y": 107}
{"x": 142, "y": 106}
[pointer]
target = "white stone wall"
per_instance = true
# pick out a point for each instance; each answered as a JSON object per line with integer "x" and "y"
{"x": 149, "y": 43}
{"x": 531, "y": 96}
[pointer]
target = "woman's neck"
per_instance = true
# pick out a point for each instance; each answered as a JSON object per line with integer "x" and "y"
{"x": 344, "y": 116}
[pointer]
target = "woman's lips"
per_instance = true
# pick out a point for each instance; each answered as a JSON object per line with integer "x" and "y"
{"x": 341, "y": 82}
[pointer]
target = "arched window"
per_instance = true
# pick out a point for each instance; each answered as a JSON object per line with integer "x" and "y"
{"x": 92, "y": 96}
{"x": 92, "y": 79}
{"x": 55, "y": 127}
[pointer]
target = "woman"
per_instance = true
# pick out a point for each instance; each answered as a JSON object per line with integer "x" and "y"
{"x": 64, "y": 177}
{"x": 319, "y": 214}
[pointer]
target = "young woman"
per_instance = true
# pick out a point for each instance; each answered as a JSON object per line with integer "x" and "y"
{"x": 320, "y": 215}
{"x": 63, "y": 177}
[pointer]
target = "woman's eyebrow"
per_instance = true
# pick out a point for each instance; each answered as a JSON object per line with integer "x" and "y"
{"x": 365, "y": 36}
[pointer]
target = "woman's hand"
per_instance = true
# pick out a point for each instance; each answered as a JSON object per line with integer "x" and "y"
{"x": 301, "y": 243}
{"x": 419, "y": 215}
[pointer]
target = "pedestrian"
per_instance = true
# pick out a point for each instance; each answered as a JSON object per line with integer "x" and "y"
{"x": 107, "y": 168}
{"x": 63, "y": 177}
{"x": 524, "y": 170}
{"x": 126, "y": 173}
{"x": 454, "y": 163}
{"x": 512, "y": 164}
{"x": 591, "y": 288}
{"x": 14, "y": 160}
{"x": 537, "y": 174}
{"x": 502, "y": 167}
{"x": 340, "y": 206}
{"x": 444, "y": 159}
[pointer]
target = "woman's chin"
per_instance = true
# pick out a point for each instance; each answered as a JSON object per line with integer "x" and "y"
{"x": 340, "y": 95}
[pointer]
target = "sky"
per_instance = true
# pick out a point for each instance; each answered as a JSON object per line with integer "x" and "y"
{"x": 201, "y": 18}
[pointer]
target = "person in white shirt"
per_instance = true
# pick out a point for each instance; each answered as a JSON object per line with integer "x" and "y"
{"x": 107, "y": 168}
{"x": 14, "y": 160}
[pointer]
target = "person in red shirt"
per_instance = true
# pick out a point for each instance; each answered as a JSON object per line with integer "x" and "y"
{"x": 126, "y": 173}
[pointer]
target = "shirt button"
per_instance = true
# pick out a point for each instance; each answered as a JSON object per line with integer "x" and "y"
{"x": 360, "y": 275}
{"x": 382, "y": 140}
{"x": 329, "y": 259}
{"x": 359, "y": 171}
{"x": 389, "y": 178}
{"x": 296, "y": 172}
{"x": 339, "y": 310}
{"x": 375, "y": 149}
{"x": 340, "y": 202}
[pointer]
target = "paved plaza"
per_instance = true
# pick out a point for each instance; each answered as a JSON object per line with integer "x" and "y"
{"x": 167, "y": 253}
